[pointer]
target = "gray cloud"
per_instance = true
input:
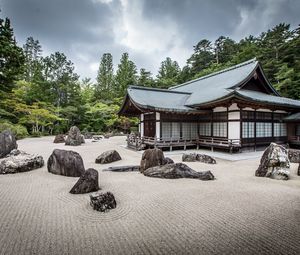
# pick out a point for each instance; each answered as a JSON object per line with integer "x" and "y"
{"x": 149, "y": 30}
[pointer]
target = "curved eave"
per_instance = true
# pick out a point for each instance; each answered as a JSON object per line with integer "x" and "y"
{"x": 149, "y": 108}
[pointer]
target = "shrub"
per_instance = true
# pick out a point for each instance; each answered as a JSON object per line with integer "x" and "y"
{"x": 18, "y": 130}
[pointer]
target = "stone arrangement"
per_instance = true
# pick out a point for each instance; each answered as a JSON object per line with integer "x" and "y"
{"x": 274, "y": 163}
{"x": 194, "y": 157}
{"x": 168, "y": 160}
{"x": 151, "y": 158}
{"x": 88, "y": 182}
{"x": 177, "y": 170}
{"x": 19, "y": 161}
{"x": 294, "y": 155}
{"x": 74, "y": 138}
{"x": 59, "y": 138}
{"x": 67, "y": 163}
{"x": 131, "y": 168}
{"x": 108, "y": 157}
{"x": 103, "y": 202}
{"x": 7, "y": 143}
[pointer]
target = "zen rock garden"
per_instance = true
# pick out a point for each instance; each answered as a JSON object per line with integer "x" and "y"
{"x": 74, "y": 137}
{"x": 13, "y": 160}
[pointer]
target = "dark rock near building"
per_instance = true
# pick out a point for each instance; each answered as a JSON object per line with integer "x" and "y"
{"x": 19, "y": 161}
{"x": 88, "y": 182}
{"x": 194, "y": 157}
{"x": 177, "y": 170}
{"x": 67, "y": 163}
{"x": 274, "y": 163}
{"x": 298, "y": 170}
{"x": 123, "y": 168}
{"x": 103, "y": 202}
{"x": 7, "y": 143}
{"x": 108, "y": 157}
{"x": 74, "y": 138}
{"x": 168, "y": 161}
{"x": 59, "y": 138}
{"x": 294, "y": 155}
{"x": 151, "y": 158}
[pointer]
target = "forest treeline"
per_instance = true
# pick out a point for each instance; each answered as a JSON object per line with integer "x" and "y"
{"x": 42, "y": 95}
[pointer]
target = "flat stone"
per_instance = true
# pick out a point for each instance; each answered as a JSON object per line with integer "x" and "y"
{"x": 177, "y": 170}
{"x": 131, "y": 168}
{"x": 195, "y": 157}
{"x": 7, "y": 143}
{"x": 88, "y": 182}
{"x": 19, "y": 161}
{"x": 108, "y": 157}
{"x": 67, "y": 163}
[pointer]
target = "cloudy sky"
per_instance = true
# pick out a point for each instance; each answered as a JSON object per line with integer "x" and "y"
{"x": 149, "y": 30}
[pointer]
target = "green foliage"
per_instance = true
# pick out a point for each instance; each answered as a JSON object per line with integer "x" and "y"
{"x": 18, "y": 130}
{"x": 168, "y": 73}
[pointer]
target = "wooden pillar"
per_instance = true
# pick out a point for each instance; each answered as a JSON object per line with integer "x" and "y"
{"x": 157, "y": 123}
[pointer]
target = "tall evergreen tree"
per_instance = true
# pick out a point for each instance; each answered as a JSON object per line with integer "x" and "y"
{"x": 168, "y": 73}
{"x": 145, "y": 78}
{"x": 105, "y": 78}
{"x": 33, "y": 53}
{"x": 126, "y": 75}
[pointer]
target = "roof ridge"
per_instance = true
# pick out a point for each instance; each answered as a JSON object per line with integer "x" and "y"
{"x": 157, "y": 89}
{"x": 216, "y": 73}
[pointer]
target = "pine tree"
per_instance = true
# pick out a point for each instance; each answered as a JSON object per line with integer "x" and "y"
{"x": 145, "y": 78}
{"x": 168, "y": 73}
{"x": 105, "y": 78}
{"x": 126, "y": 75}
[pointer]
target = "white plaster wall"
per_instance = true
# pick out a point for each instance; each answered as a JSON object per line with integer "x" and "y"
{"x": 248, "y": 109}
{"x": 142, "y": 125}
{"x": 234, "y": 130}
{"x": 234, "y": 115}
{"x": 233, "y": 107}
{"x": 157, "y": 123}
{"x": 220, "y": 109}
{"x": 263, "y": 110}
{"x": 279, "y": 111}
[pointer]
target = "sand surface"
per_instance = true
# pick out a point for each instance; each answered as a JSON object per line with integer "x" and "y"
{"x": 237, "y": 213}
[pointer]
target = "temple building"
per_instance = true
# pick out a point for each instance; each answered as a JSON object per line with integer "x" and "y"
{"x": 235, "y": 108}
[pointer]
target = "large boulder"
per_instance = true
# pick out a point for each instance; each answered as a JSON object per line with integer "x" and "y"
{"x": 294, "y": 155}
{"x": 88, "y": 182}
{"x": 151, "y": 158}
{"x": 103, "y": 201}
{"x": 59, "y": 138}
{"x": 177, "y": 170}
{"x": 67, "y": 163}
{"x": 19, "y": 161}
{"x": 274, "y": 163}
{"x": 74, "y": 138}
{"x": 131, "y": 168}
{"x": 7, "y": 143}
{"x": 193, "y": 157}
{"x": 108, "y": 157}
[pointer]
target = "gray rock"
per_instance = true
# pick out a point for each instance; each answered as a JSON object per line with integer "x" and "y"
{"x": 151, "y": 158}
{"x": 88, "y": 135}
{"x": 7, "y": 143}
{"x": 108, "y": 157}
{"x": 168, "y": 160}
{"x": 88, "y": 182}
{"x": 103, "y": 201}
{"x": 67, "y": 163}
{"x": 294, "y": 155}
{"x": 177, "y": 170}
{"x": 123, "y": 168}
{"x": 194, "y": 157}
{"x": 19, "y": 161}
{"x": 74, "y": 138}
{"x": 274, "y": 163}
{"x": 59, "y": 138}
